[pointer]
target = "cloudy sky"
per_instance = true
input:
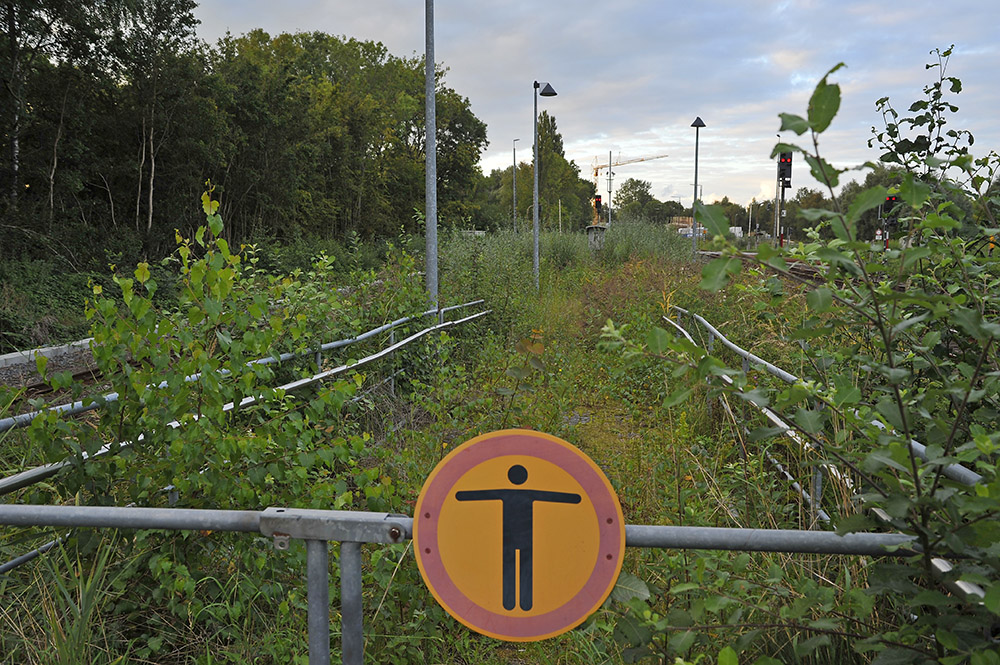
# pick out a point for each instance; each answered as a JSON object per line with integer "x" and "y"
{"x": 632, "y": 75}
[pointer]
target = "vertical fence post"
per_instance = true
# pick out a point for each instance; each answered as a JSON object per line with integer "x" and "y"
{"x": 351, "y": 623}
{"x": 318, "y": 585}
{"x": 319, "y": 360}
{"x": 816, "y": 489}
{"x": 392, "y": 365}
{"x": 708, "y": 400}
{"x": 817, "y": 494}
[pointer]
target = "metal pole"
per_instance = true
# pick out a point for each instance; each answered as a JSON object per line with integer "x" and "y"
{"x": 514, "y": 186}
{"x": 352, "y": 624}
{"x": 318, "y": 586}
{"x": 535, "y": 204}
{"x": 392, "y": 367}
{"x": 781, "y": 214}
{"x": 777, "y": 184}
{"x": 694, "y": 218}
{"x": 767, "y": 540}
{"x": 609, "y": 187}
{"x": 430, "y": 179}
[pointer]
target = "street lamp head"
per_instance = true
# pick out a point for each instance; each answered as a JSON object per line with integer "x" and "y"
{"x": 698, "y": 122}
{"x": 547, "y": 91}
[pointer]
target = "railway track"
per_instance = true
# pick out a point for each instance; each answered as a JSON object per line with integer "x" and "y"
{"x": 797, "y": 268}
{"x": 20, "y": 373}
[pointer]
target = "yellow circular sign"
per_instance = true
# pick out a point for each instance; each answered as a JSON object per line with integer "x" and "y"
{"x": 519, "y": 535}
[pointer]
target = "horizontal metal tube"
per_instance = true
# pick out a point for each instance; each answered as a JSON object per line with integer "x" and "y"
{"x": 766, "y": 540}
{"x": 33, "y": 475}
{"x": 674, "y": 537}
{"x": 120, "y": 517}
{"x": 956, "y": 472}
{"x": 25, "y": 558}
{"x": 91, "y": 403}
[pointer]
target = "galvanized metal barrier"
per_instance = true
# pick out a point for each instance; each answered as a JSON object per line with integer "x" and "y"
{"x": 967, "y": 590}
{"x": 353, "y": 528}
{"x": 955, "y": 472}
{"x": 92, "y": 403}
{"x": 38, "y": 473}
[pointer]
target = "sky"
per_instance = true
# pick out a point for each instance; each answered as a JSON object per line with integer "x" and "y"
{"x": 632, "y": 75}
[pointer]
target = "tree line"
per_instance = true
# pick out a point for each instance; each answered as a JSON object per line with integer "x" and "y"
{"x": 115, "y": 118}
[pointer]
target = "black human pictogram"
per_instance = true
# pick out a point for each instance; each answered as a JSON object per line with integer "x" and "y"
{"x": 518, "y": 530}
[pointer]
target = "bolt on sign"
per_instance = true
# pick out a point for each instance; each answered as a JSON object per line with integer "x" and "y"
{"x": 519, "y": 535}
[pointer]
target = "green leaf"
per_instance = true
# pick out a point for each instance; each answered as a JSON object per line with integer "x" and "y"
{"x": 992, "y": 599}
{"x": 810, "y": 420}
{"x": 208, "y": 205}
{"x": 913, "y": 192}
{"x": 716, "y": 273}
{"x": 824, "y": 104}
{"x": 630, "y": 631}
{"x": 854, "y": 523}
{"x": 867, "y": 200}
{"x": 897, "y": 656}
{"x": 846, "y": 392}
{"x": 215, "y": 224}
{"x": 795, "y": 123}
{"x": 806, "y": 647}
{"x": 712, "y": 218}
{"x": 677, "y": 397}
{"x": 757, "y": 397}
{"x": 658, "y": 340}
{"x": 819, "y": 299}
{"x": 40, "y": 363}
{"x": 682, "y": 587}
{"x": 628, "y": 587}
{"x": 727, "y": 657}
{"x": 914, "y": 254}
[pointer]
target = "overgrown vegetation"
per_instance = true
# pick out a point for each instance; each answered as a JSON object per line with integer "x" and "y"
{"x": 898, "y": 347}
{"x": 891, "y": 346}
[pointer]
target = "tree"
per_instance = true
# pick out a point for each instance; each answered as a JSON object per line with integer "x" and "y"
{"x": 35, "y": 31}
{"x": 632, "y": 199}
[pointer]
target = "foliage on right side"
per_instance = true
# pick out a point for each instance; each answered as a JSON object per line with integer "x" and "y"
{"x": 901, "y": 347}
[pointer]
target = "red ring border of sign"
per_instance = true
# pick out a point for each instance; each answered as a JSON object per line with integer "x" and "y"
{"x": 611, "y": 527}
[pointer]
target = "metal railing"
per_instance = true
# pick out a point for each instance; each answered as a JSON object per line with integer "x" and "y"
{"x": 92, "y": 403}
{"x": 353, "y": 528}
{"x": 38, "y": 473}
{"x": 955, "y": 472}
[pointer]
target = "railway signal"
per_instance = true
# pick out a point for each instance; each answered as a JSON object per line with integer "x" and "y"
{"x": 785, "y": 169}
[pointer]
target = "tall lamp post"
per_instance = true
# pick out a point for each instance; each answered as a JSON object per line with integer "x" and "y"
{"x": 514, "y": 186}
{"x": 547, "y": 91}
{"x": 697, "y": 124}
{"x": 430, "y": 159}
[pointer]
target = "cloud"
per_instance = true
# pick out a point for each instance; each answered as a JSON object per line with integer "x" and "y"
{"x": 632, "y": 75}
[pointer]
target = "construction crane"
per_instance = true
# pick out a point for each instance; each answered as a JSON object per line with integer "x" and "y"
{"x": 620, "y": 162}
